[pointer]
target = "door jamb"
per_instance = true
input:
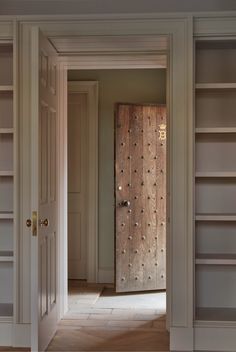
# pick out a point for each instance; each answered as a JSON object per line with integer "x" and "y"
{"x": 90, "y": 88}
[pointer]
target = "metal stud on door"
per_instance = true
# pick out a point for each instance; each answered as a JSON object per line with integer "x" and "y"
{"x": 140, "y": 181}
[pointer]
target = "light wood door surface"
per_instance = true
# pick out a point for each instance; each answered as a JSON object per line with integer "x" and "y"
{"x": 44, "y": 201}
{"x": 77, "y": 184}
{"x": 140, "y": 192}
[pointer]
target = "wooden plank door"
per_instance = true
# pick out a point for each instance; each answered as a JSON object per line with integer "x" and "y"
{"x": 77, "y": 184}
{"x": 140, "y": 192}
{"x": 44, "y": 240}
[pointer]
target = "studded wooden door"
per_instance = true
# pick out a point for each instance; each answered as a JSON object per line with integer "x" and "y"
{"x": 140, "y": 192}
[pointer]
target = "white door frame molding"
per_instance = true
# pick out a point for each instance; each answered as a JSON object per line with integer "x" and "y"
{"x": 90, "y": 88}
{"x": 180, "y": 281}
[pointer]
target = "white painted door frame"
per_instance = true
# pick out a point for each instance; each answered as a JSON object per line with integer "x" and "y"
{"x": 90, "y": 88}
{"x": 179, "y": 29}
{"x": 123, "y": 60}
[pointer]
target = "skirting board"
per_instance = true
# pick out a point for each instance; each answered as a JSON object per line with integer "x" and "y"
{"x": 106, "y": 276}
{"x": 215, "y": 339}
{"x": 181, "y": 339}
{"x": 14, "y": 335}
{"x": 21, "y": 335}
{"x": 6, "y": 334}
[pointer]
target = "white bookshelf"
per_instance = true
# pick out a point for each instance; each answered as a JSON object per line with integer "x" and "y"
{"x": 7, "y": 182}
{"x": 215, "y": 181}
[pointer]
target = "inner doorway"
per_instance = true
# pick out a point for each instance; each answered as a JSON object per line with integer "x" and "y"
{"x": 90, "y": 302}
{"x": 135, "y": 87}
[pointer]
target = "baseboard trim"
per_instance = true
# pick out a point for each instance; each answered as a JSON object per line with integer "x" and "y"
{"x": 6, "y": 334}
{"x": 21, "y": 335}
{"x": 181, "y": 339}
{"x": 106, "y": 276}
{"x": 215, "y": 339}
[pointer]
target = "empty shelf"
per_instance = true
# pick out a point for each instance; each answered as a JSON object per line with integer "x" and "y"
{"x": 216, "y": 314}
{"x": 6, "y": 309}
{"x": 6, "y": 173}
{"x": 215, "y": 217}
{"x": 216, "y": 174}
{"x": 6, "y": 130}
{"x": 6, "y": 88}
{"x": 6, "y": 216}
{"x": 6, "y": 256}
{"x": 216, "y": 259}
{"x": 215, "y": 86}
{"x": 215, "y": 130}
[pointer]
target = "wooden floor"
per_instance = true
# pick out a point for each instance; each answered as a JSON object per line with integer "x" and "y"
{"x": 87, "y": 327}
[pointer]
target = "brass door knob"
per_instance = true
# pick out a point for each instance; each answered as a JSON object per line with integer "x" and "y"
{"x": 44, "y": 222}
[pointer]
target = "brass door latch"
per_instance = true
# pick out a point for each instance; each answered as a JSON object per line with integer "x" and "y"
{"x": 33, "y": 223}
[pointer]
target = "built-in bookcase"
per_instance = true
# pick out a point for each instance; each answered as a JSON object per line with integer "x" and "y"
{"x": 7, "y": 181}
{"x": 215, "y": 180}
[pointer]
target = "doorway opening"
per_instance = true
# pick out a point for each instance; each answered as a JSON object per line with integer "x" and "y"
{"x": 97, "y": 299}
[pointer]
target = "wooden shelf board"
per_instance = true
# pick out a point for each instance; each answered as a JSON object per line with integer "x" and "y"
{"x": 215, "y": 259}
{"x": 7, "y": 88}
{"x": 6, "y": 130}
{"x": 215, "y": 130}
{"x": 6, "y": 173}
{"x": 215, "y": 174}
{"x": 8, "y": 215}
{"x": 215, "y": 86}
{"x": 215, "y": 217}
{"x": 6, "y": 256}
{"x": 216, "y": 314}
{"x": 6, "y": 310}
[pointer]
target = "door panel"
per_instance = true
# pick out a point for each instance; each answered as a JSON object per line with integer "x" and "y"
{"x": 140, "y": 172}
{"x": 77, "y": 185}
{"x": 43, "y": 190}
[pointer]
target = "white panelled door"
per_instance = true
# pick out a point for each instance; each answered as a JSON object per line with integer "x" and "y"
{"x": 43, "y": 191}
{"x": 77, "y": 184}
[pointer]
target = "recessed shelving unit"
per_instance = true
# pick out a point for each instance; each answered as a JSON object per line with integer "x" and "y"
{"x": 215, "y": 181}
{"x": 7, "y": 182}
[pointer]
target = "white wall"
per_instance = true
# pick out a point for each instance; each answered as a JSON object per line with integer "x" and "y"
{"x": 8, "y": 7}
{"x": 131, "y": 86}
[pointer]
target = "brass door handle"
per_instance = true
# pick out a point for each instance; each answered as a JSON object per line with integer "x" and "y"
{"x": 44, "y": 222}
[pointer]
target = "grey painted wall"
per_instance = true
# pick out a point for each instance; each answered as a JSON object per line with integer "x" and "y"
{"x": 130, "y": 86}
{"x": 23, "y": 7}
